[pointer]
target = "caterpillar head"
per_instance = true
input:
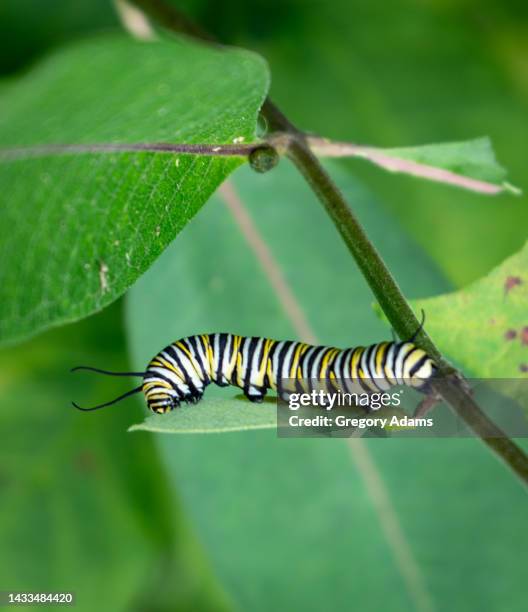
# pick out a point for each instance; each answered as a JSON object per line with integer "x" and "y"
{"x": 159, "y": 399}
{"x": 160, "y": 395}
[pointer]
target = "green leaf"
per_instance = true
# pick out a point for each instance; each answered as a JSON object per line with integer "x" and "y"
{"x": 253, "y": 483}
{"x": 468, "y": 165}
{"x": 85, "y": 507}
{"x": 474, "y": 158}
{"x": 213, "y": 416}
{"x": 484, "y": 327}
{"x": 78, "y": 229}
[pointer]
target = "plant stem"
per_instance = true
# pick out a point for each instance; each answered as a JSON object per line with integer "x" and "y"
{"x": 380, "y": 280}
{"x": 398, "y": 311}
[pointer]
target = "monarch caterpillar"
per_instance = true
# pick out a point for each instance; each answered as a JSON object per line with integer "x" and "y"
{"x": 181, "y": 371}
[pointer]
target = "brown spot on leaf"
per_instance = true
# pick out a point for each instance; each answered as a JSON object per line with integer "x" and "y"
{"x": 510, "y": 334}
{"x": 523, "y": 367}
{"x": 511, "y": 282}
{"x": 492, "y": 321}
{"x": 524, "y": 335}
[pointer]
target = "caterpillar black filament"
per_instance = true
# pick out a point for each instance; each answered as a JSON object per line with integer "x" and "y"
{"x": 182, "y": 370}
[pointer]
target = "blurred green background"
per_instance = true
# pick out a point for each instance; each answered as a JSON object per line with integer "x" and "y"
{"x": 244, "y": 521}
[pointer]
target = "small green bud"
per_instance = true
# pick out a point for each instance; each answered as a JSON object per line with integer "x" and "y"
{"x": 263, "y": 158}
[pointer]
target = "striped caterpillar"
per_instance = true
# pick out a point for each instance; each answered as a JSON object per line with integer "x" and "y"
{"x": 181, "y": 371}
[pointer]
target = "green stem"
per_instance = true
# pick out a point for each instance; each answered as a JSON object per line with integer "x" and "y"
{"x": 398, "y": 311}
{"x": 380, "y": 280}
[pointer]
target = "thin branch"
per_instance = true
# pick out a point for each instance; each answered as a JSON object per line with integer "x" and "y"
{"x": 331, "y": 148}
{"x": 381, "y": 281}
{"x": 322, "y": 147}
{"x": 239, "y": 149}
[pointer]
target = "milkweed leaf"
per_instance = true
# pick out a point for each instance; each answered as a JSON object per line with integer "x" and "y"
{"x": 76, "y": 230}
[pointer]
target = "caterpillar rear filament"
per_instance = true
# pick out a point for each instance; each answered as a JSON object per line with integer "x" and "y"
{"x": 182, "y": 370}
